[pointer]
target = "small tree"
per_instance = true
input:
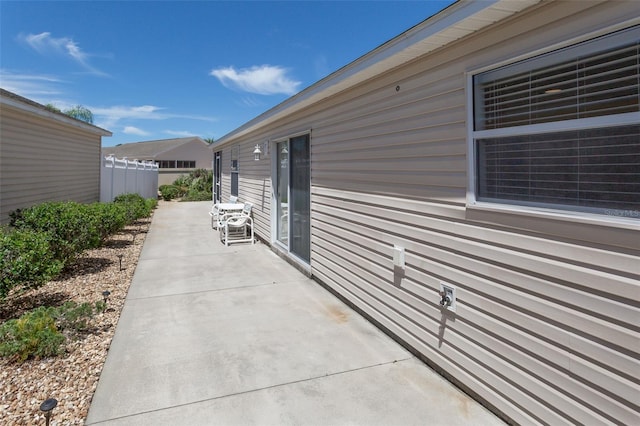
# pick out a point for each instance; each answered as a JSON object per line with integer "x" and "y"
{"x": 80, "y": 113}
{"x": 52, "y": 107}
{"x": 209, "y": 140}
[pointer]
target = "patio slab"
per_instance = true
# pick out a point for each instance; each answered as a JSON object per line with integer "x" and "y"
{"x": 235, "y": 335}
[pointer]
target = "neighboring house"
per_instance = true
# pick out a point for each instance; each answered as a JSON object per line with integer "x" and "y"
{"x": 493, "y": 148}
{"x": 175, "y": 157}
{"x": 45, "y": 156}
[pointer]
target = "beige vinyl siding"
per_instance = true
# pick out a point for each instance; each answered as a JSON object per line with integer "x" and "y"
{"x": 254, "y": 185}
{"x": 46, "y": 160}
{"x": 547, "y": 323}
{"x": 546, "y": 328}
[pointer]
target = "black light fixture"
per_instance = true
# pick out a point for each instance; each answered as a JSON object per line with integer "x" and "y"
{"x": 120, "y": 259}
{"x": 105, "y": 296}
{"x": 46, "y": 407}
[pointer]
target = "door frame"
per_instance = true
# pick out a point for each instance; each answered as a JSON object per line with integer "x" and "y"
{"x": 286, "y": 248}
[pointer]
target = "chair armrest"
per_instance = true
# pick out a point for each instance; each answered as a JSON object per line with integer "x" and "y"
{"x": 227, "y": 215}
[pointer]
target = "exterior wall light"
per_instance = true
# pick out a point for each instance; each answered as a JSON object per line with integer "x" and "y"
{"x": 256, "y": 153}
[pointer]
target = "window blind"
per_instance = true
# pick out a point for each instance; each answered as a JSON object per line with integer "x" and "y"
{"x": 587, "y": 85}
{"x": 592, "y": 168}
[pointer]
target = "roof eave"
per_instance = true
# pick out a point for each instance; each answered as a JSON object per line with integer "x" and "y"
{"x": 456, "y": 21}
{"x": 17, "y": 103}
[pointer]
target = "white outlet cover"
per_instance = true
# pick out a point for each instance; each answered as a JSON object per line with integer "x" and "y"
{"x": 398, "y": 256}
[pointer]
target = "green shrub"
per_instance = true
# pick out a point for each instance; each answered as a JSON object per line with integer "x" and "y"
{"x": 39, "y": 333}
{"x": 26, "y": 260}
{"x": 136, "y": 206}
{"x": 69, "y": 225}
{"x": 169, "y": 192}
{"x": 198, "y": 196}
{"x": 196, "y": 186}
{"x": 73, "y": 317}
{"x": 34, "y": 334}
{"x": 100, "y": 306}
{"x": 151, "y": 203}
{"x": 108, "y": 218}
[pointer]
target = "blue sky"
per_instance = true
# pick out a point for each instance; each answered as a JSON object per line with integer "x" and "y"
{"x": 157, "y": 70}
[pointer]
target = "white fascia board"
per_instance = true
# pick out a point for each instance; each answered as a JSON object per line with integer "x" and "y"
{"x": 21, "y": 106}
{"x": 456, "y": 21}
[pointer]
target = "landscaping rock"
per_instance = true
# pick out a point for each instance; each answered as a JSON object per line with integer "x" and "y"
{"x": 70, "y": 378}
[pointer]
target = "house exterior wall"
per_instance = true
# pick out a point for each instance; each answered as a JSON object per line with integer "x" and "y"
{"x": 192, "y": 151}
{"x": 546, "y": 326}
{"x": 43, "y": 159}
{"x": 254, "y": 183}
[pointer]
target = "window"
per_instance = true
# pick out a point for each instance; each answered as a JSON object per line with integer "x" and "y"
{"x": 181, "y": 164}
{"x": 235, "y": 170}
{"x": 173, "y": 164}
{"x": 562, "y": 130}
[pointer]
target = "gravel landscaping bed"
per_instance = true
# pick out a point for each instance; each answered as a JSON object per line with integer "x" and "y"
{"x": 72, "y": 377}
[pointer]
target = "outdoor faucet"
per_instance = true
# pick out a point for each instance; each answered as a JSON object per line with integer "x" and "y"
{"x": 445, "y": 299}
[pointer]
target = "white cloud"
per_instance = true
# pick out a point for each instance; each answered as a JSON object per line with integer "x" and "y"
{"x": 32, "y": 86}
{"x": 262, "y": 80}
{"x": 180, "y": 133}
{"x": 110, "y": 117}
{"x": 130, "y": 130}
{"x": 44, "y": 43}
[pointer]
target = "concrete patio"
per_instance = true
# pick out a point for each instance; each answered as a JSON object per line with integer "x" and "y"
{"x": 214, "y": 335}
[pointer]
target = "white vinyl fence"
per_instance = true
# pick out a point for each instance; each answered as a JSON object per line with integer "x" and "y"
{"x": 122, "y": 176}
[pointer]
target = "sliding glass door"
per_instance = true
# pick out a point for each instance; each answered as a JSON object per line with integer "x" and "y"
{"x": 217, "y": 176}
{"x": 282, "y": 193}
{"x": 293, "y": 196}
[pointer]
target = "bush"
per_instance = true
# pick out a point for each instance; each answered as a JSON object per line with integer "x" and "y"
{"x": 169, "y": 192}
{"x": 198, "y": 196}
{"x": 34, "y": 334}
{"x": 26, "y": 259}
{"x": 74, "y": 317}
{"x": 70, "y": 226}
{"x": 136, "y": 206}
{"x": 196, "y": 186}
{"x": 151, "y": 203}
{"x": 39, "y": 333}
{"x": 49, "y": 236}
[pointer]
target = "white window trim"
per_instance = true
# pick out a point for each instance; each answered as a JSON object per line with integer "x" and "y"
{"x": 617, "y": 218}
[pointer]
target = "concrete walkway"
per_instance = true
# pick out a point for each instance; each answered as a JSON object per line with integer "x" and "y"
{"x": 214, "y": 335}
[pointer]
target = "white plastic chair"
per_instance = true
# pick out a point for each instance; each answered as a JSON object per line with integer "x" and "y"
{"x": 237, "y": 227}
{"x": 215, "y": 212}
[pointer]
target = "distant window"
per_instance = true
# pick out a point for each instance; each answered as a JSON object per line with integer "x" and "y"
{"x": 561, "y": 130}
{"x": 176, "y": 164}
{"x": 186, "y": 164}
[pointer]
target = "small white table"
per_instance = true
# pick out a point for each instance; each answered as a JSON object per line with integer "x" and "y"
{"x": 230, "y": 207}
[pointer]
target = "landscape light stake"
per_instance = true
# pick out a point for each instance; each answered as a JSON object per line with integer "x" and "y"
{"x": 47, "y": 406}
{"x": 120, "y": 259}
{"x": 105, "y": 295}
